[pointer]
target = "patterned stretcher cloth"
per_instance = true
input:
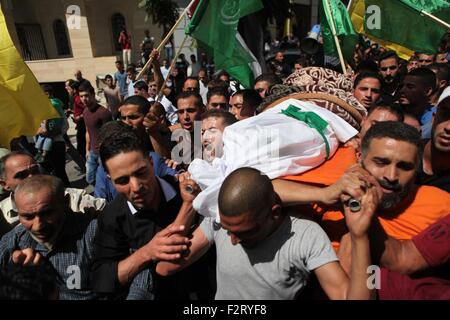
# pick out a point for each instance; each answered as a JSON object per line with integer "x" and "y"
{"x": 322, "y": 82}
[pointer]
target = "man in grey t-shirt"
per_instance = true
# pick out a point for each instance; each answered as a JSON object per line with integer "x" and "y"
{"x": 262, "y": 253}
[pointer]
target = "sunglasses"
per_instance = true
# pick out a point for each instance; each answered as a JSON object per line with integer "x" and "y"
{"x": 130, "y": 117}
{"x": 188, "y": 110}
{"x": 259, "y": 90}
{"x": 192, "y": 89}
{"x": 21, "y": 175}
{"x": 219, "y": 104}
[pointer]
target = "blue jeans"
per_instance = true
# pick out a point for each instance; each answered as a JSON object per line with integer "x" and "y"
{"x": 91, "y": 167}
{"x": 169, "y": 53}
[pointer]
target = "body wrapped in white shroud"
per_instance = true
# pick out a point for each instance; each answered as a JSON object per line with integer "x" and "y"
{"x": 271, "y": 142}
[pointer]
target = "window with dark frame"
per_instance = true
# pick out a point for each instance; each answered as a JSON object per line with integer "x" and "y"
{"x": 31, "y": 41}
{"x": 62, "y": 41}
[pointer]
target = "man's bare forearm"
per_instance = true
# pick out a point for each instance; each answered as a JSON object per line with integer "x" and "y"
{"x": 158, "y": 144}
{"x": 185, "y": 217}
{"x": 293, "y": 193}
{"x": 159, "y": 79}
{"x": 358, "y": 288}
{"x": 131, "y": 266}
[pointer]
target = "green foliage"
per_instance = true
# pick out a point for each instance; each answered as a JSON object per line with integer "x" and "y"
{"x": 164, "y": 13}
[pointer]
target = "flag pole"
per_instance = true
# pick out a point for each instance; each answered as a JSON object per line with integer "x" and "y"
{"x": 433, "y": 17}
{"x": 166, "y": 39}
{"x": 160, "y": 93}
{"x": 336, "y": 40}
{"x": 349, "y": 5}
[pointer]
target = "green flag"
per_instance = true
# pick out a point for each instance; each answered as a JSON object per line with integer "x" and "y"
{"x": 214, "y": 26}
{"x": 436, "y": 7}
{"x": 348, "y": 38}
{"x": 400, "y": 22}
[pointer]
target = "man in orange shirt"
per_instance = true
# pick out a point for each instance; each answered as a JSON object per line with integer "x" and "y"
{"x": 332, "y": 170}
{"x": 390, "y": 154}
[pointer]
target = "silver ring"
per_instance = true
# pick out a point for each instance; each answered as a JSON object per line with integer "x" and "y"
{"x": 354, "y": 205}
{"x": 189, "y": 189}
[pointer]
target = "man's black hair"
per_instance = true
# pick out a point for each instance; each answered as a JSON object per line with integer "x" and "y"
{"x": 144, "y": 104}
{"x": 270, "y": 78}
{"x": 123, "y": 142}
{"x": 387, "y": 55}
{"x": 188, "y": 94}
{"x": 426, "y": 77}
{"x": 86, "y": 87}
{"x": 35, "y": 282}
{"x": 395, "y": 130}
{"x": 366, "y": 66}
{"x": 141, "y": 85}
{"x": 227, "y": 117}
{"x": 251, "y": 101}
{"x": 367, "y": 74}
{"x": 217, "y": 91}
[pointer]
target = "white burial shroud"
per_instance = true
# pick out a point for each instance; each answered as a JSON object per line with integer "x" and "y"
{"x": 271, "y": 142}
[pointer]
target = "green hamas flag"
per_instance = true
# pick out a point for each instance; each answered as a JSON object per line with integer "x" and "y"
{"x": 348, "y": 38}
{"x": 400, "y": 21}
{"x": 214, "y": 26}
{"x": 435, "y": 7}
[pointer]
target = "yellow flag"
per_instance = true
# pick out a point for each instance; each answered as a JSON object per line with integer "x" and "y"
{"x": 357, "y": 11}
{"x": 23, "y": 104}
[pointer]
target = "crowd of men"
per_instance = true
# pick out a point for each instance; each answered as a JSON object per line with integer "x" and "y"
{"x": 138, "y": 235}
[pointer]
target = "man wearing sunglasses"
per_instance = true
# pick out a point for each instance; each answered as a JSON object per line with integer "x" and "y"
{"x": 217, "y": 99}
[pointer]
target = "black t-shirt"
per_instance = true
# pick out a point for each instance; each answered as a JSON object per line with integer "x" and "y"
{"x": 120, "y": 233}
{"x": 441, "y": 181}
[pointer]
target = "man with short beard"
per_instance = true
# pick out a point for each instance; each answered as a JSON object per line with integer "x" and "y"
{"x": 390, "y": 71}
{"x": 390, "y": 152}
